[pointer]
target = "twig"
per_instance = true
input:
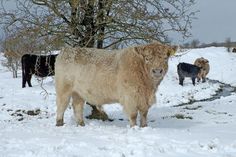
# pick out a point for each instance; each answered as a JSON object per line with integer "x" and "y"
{"x": 44, "y": 92}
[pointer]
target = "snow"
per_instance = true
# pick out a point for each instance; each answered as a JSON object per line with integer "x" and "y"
{"x": 208, "y": 128}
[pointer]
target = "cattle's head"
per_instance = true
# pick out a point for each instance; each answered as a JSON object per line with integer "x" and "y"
{"x": 155, "y": 58}
{"x": 201, "y": 62}
{"x": 205, "y": 61}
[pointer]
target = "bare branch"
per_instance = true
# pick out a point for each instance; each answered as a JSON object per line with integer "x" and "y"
{"x": 100, "y": 23}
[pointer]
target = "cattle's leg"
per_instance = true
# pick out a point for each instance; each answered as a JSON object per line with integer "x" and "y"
{"x": 78, "y": 104}
{"x": 97, "y": 114}
{"x": 143, "y": 117}
{"x": 132, "y": 119}
{"x": 132, "y": 113}
{"x": 199, "y": 76}
{"x": 193, "y": 80}
{"x": 23, "y": 81}
{"x": 62, "y": 100}
{"x": 181, "y": 81}
{"x": 204, "y": 77}
{"x": 28, "y": 79}
{"x": 198, "y": 79}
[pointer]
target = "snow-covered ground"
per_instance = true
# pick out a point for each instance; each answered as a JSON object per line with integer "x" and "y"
{"x": 196, "y": 130}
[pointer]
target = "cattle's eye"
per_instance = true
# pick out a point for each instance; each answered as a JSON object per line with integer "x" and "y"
{"x": 148, "y": 59}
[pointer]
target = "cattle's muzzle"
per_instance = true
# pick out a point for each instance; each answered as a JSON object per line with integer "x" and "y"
{"x": 157, "y": 72}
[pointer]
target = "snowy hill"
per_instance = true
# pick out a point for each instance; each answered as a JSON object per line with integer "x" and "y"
{"x": 185, "y": 121}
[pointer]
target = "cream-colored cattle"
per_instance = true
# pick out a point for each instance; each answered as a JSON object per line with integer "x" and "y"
{"x": 128, "y": 76}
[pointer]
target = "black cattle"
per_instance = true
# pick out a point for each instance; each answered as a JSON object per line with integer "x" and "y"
{"x": 187, "y": 70}
{"x": 41, "y": 66}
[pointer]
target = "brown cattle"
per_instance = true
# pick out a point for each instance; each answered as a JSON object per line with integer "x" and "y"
{"x": 234, "y": 49}
{"x": 128, "y": 76}
{"x": 205, "y": 67}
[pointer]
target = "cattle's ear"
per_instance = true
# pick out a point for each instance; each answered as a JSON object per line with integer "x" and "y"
{"x": 172, "y": 50}
{"x": 139, "y": 50}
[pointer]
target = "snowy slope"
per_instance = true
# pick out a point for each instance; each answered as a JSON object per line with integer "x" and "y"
{"x": 199, "y": 129}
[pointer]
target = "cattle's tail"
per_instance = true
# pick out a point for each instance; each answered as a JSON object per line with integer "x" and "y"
{"x": 22, "y": 65}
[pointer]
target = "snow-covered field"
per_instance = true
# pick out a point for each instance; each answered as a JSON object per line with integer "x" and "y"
{"x": 200, "y": 129}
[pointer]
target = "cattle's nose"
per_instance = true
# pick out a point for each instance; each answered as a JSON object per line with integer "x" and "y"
{"x": 157, "y": 71}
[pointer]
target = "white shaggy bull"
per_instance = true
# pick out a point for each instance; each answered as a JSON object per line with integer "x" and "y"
{"x": 129, "y": 76}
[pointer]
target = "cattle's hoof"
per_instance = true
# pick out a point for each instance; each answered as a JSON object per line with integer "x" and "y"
{"x": 143, "y": 125}
{"x": 133, "y": 126}
{"x": 100, "y": 115}
{"x": 81, "y": 124}
{"x": 59, "y": 123}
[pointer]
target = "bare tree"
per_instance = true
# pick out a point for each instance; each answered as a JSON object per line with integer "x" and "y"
{"x": 186, "y": 45}
{"x": 10, "y": 47}
{"x": 12, "y": 62}
{"x": 195, "y": 43}
{"x": 20, "y": 42}
{"x": 101, "y": 23}
{"x": 228, "y": 44}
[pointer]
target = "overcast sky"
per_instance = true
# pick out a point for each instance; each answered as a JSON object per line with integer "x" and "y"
{"x": 216, "y": 21}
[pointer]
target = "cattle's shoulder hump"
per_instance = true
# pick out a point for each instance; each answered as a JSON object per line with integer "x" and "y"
{"x": 88, "y": 55}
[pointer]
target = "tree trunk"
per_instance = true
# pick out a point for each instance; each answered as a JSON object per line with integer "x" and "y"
{"x": 100, "y": 24}
{"x": 88, "y": 39}
{"x": 104, "y": 7}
